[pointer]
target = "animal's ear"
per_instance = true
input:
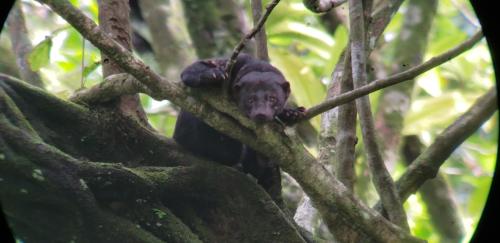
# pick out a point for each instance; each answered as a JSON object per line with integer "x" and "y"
{"x": 286, "y": 88}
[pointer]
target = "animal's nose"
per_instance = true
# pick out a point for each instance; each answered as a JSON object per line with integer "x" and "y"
{"x": 261, "y": 117}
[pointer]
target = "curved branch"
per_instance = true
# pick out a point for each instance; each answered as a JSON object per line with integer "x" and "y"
{"x": 327, "y": 193}
{"x": 113, "y": 86}
{"x": 382, "y": 180}
{"x": 428, "y": 163}
{"x": 394, "y": 79}
{"x": 160, "y": 88}
{"x": 59, "y": 108}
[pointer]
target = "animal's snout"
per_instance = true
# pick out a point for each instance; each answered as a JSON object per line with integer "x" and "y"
{"x": 262, "y": 117}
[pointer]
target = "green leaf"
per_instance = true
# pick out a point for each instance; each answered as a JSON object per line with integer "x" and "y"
{"x": 307, "y": 89}
{"x": 90, "y": 68}
{"x": 159, "y": 213}
{"x": 435, "y": 113}
{"x": 40, "y": 55}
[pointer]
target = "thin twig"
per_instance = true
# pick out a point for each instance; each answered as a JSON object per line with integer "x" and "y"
{"x": 394, "y": 79}
{"x": 382, "y": 179}
{"x": 249, "y": 36}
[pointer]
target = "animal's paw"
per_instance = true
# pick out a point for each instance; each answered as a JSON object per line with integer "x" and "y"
{"x": 204, "y": 73}
{"x": 214, "y": 73}
{"x": 292, "y": 115}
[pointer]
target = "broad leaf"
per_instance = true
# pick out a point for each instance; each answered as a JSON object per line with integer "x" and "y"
{"x": 40, "y": 55}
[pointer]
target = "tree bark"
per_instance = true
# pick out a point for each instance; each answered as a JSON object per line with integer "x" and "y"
{"x": 410, "y": 47}
{"x": 215, "y": 26}
{"x": 144, "y": 189}
{"x": 114, "y": 20}
{"x": 381, "y": 178}
{"x": 22, "y": 45}
{"x": 437, "y": 196}
{"x": 172, "y": 53}
{"x": 325, "y": 191}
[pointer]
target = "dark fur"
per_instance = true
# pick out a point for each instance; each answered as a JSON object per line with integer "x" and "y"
{"x": 261, "y": 91}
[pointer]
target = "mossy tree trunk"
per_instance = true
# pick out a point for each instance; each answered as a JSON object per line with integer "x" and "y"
{"x": 74, "y": 173}
{"x": 94, "y": 173}
{"x": 98, "y": 173}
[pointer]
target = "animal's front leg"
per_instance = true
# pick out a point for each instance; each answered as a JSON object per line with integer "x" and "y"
{"x": 290, "y": 116}
{"x": 202, "y": 73}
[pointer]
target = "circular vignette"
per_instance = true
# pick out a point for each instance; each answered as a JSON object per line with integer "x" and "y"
{"x": 6, "y": 234}
{"x": 488, "y": 17}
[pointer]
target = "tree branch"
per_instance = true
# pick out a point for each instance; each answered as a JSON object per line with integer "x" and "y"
{"x": 324, "y": 190}
{"x": 437, "y": 195}
{"x": 22, "y": 45}
{"x": 331, "y": 135}
{"x": 409, "y": 49}
{"x": 427, "y": 164}
{"x": 113, "y": 86}
{"x": 260, "y": 37}
{"x": 394, "y": 79}
{"x": 171, "y": 52}
{"x": 114, "y": 20}
{"x": 252, "y": 33}
{"x": 160, "y": 88}
{"x": 382, "y": 180}
{"x": 346, "y": 132}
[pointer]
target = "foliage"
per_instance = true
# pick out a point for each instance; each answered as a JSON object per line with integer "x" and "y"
{"x": 40, "y": 55}
{"x": 307, "y": 53}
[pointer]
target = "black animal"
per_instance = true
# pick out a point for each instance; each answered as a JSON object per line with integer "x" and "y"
{"x": 261, "y": 91}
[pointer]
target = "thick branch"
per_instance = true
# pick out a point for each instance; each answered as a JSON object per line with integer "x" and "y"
{"x": 148, "y": 188}
{"x": 22, "y": 45}
{"x": 427, "y": 164}
{"x": 214, "y": 26}
{"x": 114, "y": 20}
{"x": 161, "y": 88}
{"x": 170, "y": 50}
{"x": 409, "y": 49}
{"x": 382, "y": 180}
{"x": 324, "y": 190}
{"x": 113, "y": 86}
{"x": 260, "y": 37}
{"x": 437, "y": 195}
{"x": 394, "y": 79}
{"x": 346, "y": 132}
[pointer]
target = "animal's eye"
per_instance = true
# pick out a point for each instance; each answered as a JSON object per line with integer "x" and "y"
{"x": 272, "y": 99}
{"x": 250, "y": 100}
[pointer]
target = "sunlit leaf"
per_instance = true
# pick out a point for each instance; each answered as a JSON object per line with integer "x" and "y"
{"x": 307, "y": 89}
{"x": 40, "y": 55}
{"x": 431, "y": 112}
{"x": 90, "y": 68}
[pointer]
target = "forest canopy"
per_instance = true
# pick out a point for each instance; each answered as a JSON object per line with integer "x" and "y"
{"x": 397, "y": 143}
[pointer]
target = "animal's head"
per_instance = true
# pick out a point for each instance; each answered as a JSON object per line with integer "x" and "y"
{"x": 261, "y": 91}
